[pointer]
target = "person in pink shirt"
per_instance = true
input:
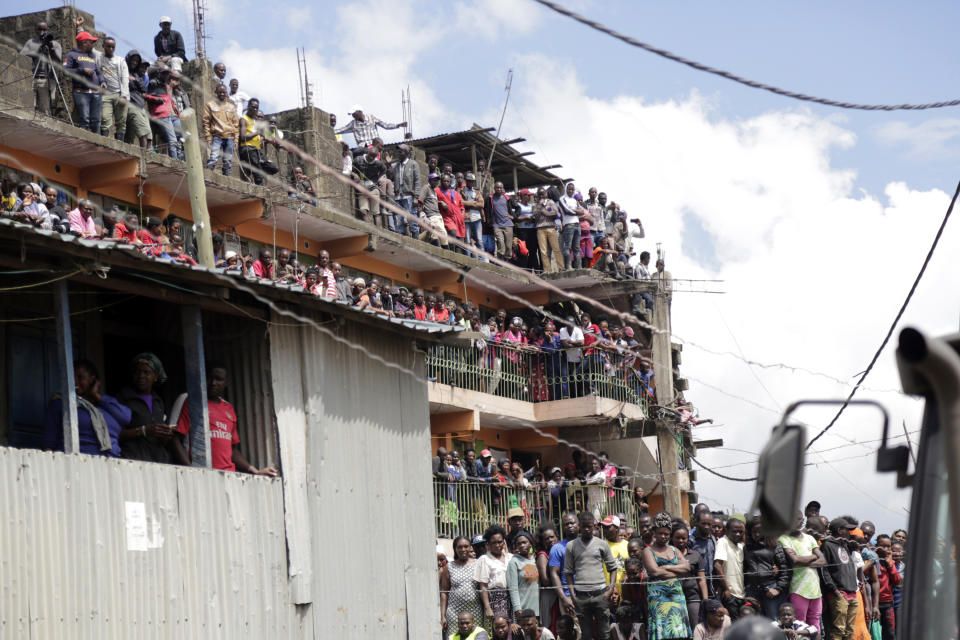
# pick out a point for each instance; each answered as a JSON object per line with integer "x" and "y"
{"x": 82, "y": 221}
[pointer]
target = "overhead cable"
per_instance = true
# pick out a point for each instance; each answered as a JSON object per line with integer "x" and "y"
{"x": 699, "y": 66}
{"x": 893, "y": 325}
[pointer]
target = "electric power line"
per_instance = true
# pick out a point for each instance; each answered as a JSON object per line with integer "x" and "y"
{"x": 699, "y": 66}
{"x": 893, "y": 325}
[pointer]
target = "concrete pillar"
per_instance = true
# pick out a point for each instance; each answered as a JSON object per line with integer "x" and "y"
{"x": 666, "y": 440}
{"x": 197, "y": 187}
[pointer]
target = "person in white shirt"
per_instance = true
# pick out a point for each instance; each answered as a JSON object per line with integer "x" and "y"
{"x": 237, "y": 97}
{"x": 728, "y": 566}
{"x": 116, "y": 93}
{"x": 571, "y": 337}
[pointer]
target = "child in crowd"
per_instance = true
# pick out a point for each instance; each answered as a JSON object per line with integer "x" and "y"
{"x": 791, "y": 627}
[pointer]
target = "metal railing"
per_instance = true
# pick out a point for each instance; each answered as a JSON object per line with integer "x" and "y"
{"x": 468, "y": 508}
{"x": 534, "y": 375}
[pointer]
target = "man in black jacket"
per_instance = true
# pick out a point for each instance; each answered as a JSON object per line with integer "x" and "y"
{"x": 766, "y": 571}
{"x": 839, "y": 578}
{"x": 168, "y": 45}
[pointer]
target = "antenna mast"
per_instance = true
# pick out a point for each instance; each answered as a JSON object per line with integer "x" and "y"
{"x": 407, "y": 106}
{"x": 200, "y": 28}
{"x": 306, "y": 92}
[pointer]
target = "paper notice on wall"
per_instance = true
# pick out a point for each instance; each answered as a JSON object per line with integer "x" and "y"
{"x": 136, "y": 521}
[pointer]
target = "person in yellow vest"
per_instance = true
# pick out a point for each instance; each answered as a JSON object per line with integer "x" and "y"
{"x": 251, "y": 156}
{"x": 467, "y": 629}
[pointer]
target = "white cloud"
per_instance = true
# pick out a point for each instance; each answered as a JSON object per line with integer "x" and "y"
{"x": 299, "y": 18}
{"x": 358, "y": 66}
{"x": 814, "y": 269}
{"x": 492, "y": 19}
{"x": 931, "y": 139}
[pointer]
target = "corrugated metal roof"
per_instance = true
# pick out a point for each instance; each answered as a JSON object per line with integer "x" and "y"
{"x": 529, "y": 174}
{"x": 263, "y": 287}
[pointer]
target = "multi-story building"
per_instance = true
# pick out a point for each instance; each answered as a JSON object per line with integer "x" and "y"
{"x": 349, "y": 406}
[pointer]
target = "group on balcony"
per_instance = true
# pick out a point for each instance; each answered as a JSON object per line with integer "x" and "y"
{"x": 535, "y": 362}
{"x": 135, "y": 423}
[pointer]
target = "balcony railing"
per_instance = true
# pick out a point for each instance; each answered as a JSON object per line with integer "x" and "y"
{"x": 468, "y": 508}
{"x": 529, "y": 374}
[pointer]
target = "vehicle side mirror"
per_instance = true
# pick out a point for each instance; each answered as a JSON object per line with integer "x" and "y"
{"x": 780, "y": 479}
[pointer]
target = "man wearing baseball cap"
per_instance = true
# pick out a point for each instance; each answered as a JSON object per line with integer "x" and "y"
{"x": 611, "y": 533}
{"x": 82, "y": 67}
{"x": 168, "y": 45}
{"x": 839, "y": 578}
{"x": 486, "y": 467}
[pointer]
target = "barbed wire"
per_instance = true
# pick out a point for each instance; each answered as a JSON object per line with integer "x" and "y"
{"x": 699, "y": 66}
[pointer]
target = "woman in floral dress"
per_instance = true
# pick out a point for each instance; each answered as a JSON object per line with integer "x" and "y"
{"x": 667, "y": 606}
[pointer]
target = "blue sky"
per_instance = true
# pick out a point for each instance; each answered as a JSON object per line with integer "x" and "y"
{"x": 876, "y": 52}
{"x": 816, "y": 218}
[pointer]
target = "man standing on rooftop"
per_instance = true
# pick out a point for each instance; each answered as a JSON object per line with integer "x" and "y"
{"x": 84, "y": 69}
{"x": 45, "y": 52}
{"x": 364, "y": 127}
{"x": 407, "y": 186}
{"x": 501, "y": 210}
{"x": 168, "y": 45}
{"x": 116, "y": 93}
{"x": 237, "y": 97}
{"x": 221, "y": 126}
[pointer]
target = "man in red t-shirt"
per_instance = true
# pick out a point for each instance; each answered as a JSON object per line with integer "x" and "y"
{"x": 224, "y": 440}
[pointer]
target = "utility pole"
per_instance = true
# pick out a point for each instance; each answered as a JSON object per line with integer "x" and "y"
{"x": 666, "y": 431}
{"x": 198, "y": 189}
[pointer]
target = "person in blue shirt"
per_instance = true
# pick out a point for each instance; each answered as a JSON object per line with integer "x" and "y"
{"x": 571, "y": 527}
{"x": 100, "y": 417}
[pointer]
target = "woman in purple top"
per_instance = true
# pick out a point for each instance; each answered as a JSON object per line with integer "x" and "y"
{"x": 147, "y": 437}
{"x": 99, "y": 416}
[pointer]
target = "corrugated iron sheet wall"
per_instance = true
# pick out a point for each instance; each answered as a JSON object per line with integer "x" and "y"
{"x": 242, "y": 346}
{"x": 367, "y": 426}
{"x": 102, "y": 549}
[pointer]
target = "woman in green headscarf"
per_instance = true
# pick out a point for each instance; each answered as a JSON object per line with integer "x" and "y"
{"x": 147, "y": 437}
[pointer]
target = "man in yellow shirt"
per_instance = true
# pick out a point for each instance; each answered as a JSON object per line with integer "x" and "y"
{"x": 251, "y": 156}
{"x": 611, "y": 533}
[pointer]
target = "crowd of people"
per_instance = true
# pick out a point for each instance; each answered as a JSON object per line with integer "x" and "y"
{"x": 665, "y": 579}
{"x": 546, "y": 230}
{"x": 554, "y": 359}
{"x": 140, "y": 101}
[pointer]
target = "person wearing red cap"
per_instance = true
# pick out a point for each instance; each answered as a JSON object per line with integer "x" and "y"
{"x": 82, "y": 67}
